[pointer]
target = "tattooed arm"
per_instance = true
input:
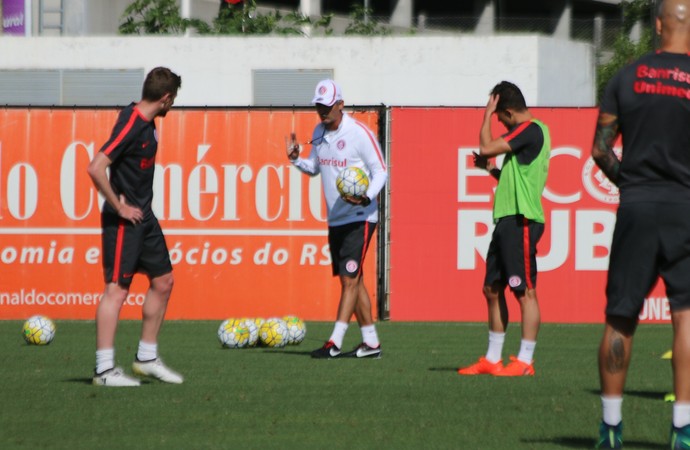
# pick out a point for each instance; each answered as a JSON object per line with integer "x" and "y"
{"x": 602, "y": 149}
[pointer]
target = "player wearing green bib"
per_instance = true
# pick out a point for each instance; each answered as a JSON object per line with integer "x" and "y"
{"x": 520, "y": 185}
{"x": 519, "y": 218}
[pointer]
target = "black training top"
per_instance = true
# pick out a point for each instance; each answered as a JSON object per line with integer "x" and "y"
{"x": 651, "y": 98}
{"x": 526, "y": 141}
{"x": 132, "y": 150}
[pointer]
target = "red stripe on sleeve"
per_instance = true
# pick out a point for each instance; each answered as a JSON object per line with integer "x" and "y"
{"x": 374, "y": 144}
{"x": 127, "y": 128}
{"x": 520, "y": 128}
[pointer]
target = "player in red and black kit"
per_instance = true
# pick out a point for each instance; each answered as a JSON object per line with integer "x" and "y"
{"x": 518, "y": 213}
{"x": 648, "y": 104}
{"x": 133, "y": 241}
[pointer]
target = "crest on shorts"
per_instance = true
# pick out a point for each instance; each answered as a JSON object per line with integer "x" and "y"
{"x": 597, "y": 184}
{"x": 514, "y": 281}
{"x": 351, "y": 266}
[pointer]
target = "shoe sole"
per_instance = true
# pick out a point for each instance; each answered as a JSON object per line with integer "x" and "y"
{"x": 339, "y": 355}
{"x": 514, "y": 375}
{"x": 100, "y": 382}
{"x": 477, "y": 373}
{"x": 142, "y": 373}
{"x": 370, "y": 356}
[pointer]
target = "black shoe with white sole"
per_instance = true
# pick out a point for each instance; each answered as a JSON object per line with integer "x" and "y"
{"x": 364, "y": 351}
{"x": 328, "y": 351}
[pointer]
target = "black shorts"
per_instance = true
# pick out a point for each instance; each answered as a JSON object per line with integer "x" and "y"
{"x": 130, "y": 249}
{"x": 512, "y": 256}
{"x": 349, "y": 244}
{"x": 650, "y": 240}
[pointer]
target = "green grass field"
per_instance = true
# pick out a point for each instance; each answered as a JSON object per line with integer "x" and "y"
{"x": 261, "y": 398}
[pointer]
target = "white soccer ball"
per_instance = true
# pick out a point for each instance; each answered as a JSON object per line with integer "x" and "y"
{"x": 38, "y": 330}
{"x": 233, "y": 333}
{"x": 274, "y": 333}
{"x": 297, "y": 330}
{"x": 352, "y": 181}
{"x": 253, "y": 328}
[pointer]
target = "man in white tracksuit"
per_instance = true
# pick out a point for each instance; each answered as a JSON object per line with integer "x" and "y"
{"x": 340, "y": 141}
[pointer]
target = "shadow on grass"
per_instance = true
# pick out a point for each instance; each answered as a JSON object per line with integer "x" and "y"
{"x": 443, "y": 369}
{"x": 580, "y": 442}
{"x": 288, "y": 352}
{"x": 653, "y": 395}
{"x": 79, "y": 380}
{"x": 89, "y": 381}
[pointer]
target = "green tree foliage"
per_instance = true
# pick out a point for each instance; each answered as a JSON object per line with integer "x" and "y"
{"x": 242, "y": 18}
{"x": 626, "y": 51}
{"x": 362, "y": 23}
{"x": 163, "y": 17}
{"x": 153, "y": 17}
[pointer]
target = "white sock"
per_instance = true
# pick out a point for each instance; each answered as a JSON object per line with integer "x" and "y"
{"x": 339, "y": 333}
{"x": 681, "y": 414}
{"x": 611, "y": 407}
{"x": 147, "y": 351}
{"x": 105, "y": 359}
{"x": 526, "y": 351}
{"x": 495, "y": 350}
{"x": 369, "y": 335}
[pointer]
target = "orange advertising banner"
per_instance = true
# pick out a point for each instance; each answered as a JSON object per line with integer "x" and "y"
{"x": 441, "y": 220}
{"x": 246, "y": 231}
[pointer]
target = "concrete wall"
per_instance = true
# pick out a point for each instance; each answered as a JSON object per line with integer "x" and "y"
{"x": 554, "y": 84}
{"x": 414, "y": 71}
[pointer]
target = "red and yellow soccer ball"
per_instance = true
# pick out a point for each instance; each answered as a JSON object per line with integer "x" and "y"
{"x": 352, "y": 181}
{"x": 38, "y": 330}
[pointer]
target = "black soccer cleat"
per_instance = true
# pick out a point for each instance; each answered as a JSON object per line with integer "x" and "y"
{"x": 364, "y": 351}
{"x": 328, "y": 351}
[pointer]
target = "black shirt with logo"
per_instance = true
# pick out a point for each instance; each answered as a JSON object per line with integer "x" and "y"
{"x": 131, "y": 149}
{"x": 651, "y": 99}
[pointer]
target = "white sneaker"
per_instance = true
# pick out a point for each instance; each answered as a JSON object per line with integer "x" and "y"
{"x": 115, "y": 377}
{"x": 156, "y": 369}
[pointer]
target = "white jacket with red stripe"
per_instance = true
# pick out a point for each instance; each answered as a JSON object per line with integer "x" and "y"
{"x": 352, "y": 144}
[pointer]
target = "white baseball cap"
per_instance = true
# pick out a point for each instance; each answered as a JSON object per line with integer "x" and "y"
{"x": 327, "y": 93}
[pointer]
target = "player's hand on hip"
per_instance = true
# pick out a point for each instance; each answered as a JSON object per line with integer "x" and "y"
{"x": 128, "y": 212}
{"x": 292, "y": 147}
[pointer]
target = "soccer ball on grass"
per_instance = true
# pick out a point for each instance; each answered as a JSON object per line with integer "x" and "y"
{"x": 297, "y": 330}
{"x": 38, "y": 330}
{"x": 233, "y": 333}
{"x": 253, "y": 329}
{"x": 274, "y": 333}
